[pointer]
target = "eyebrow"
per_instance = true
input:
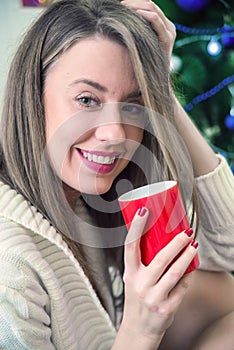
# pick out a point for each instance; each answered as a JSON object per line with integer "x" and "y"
{"x": 102, "y": 88}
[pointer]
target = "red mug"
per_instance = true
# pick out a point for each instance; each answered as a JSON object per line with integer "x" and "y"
{"x": 167, "y": 217}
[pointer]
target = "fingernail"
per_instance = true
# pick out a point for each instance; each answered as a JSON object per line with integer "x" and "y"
{"x": 189, "y": 231}
{"x": 142, "y": 211}
{"x": 194, "y": 244}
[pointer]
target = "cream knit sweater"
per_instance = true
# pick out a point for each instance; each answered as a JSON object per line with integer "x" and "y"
{"x": 46, "y": 301}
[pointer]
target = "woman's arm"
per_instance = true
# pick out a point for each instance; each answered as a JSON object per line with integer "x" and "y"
{"x": 216, "y": 202}
{"x": 203, "y": 158}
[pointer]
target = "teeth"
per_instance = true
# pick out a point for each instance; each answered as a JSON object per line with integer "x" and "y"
{"x": 98, "y": 159}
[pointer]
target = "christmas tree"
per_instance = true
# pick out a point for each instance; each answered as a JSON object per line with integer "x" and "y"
{"x": 202, "y": 67}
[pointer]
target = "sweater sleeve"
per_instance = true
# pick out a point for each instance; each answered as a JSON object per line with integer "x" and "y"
{"x": 24, "y": 317}
{"x": 216, "y": 232}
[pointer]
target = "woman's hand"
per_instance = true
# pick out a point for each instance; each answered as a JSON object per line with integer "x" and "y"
{"x": 152, "y": 296}
{"x": 164, "y": 28}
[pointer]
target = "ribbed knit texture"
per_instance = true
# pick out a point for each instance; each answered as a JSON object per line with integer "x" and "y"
{"x": 216, "y": 236}
{"x": 222, "y": 200}
{"x": 46, "y": 301}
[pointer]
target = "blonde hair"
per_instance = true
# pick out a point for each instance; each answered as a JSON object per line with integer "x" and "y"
{"x": 23, "y": 121}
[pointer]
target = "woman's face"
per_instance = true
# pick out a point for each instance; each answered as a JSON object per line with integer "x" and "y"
{"x": 89, "y": 94}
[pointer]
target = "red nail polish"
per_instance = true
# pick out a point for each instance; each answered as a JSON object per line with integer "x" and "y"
{"x": 189, "y": 232}
{"x": 142, "y": 211}
{"x": 194, "y": 244}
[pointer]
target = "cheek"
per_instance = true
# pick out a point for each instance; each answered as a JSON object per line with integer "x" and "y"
{"x": 134, "y": 134}
{"x": 57, "y": 112}
{"x": 51, "y": 116}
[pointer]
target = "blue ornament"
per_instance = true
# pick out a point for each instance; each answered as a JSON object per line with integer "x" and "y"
{"x": 193, "y": 6}
{"x": 227, "y": 38}
{"x": 229, "y": 122}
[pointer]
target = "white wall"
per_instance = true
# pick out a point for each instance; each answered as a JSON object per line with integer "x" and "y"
{"x": 14, "y": 20}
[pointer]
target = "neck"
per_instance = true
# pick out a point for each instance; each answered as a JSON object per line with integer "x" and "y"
{"x": 71, "y": 195}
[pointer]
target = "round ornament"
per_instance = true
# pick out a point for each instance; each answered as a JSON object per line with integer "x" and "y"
{"x": 175, "y": 64}
{"x": 193, "y": 6}
{"x": 229, "y": 122}
{"x": 227, "y": 38}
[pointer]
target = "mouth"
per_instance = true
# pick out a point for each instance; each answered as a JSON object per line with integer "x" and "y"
{"x": 100, "y": 157}
{"x": 101, "y": 162}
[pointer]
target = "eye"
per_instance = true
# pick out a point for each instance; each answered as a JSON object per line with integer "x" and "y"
{"x": 134, "y": 114}
{"x": 133, "y": 109}
{"x": 88, "y": 101}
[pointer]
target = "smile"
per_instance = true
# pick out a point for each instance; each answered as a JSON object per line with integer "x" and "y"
{"x": 100, "y": 162}
{"x": 97, "y": 158}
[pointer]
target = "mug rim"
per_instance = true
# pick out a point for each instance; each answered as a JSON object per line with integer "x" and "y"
{"x": 146, "y": 190}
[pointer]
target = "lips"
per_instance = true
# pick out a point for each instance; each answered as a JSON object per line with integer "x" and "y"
{"x": 99, "y": 157}
{"x": 98, "y": 161}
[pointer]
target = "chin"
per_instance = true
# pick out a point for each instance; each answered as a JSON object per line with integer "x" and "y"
{"x": 98, "y": 188}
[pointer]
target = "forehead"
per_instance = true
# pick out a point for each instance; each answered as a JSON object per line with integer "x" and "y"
{"x": 96, "y": 58}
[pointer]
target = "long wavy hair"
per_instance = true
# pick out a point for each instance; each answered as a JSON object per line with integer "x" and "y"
{"x": 23, "y": 139}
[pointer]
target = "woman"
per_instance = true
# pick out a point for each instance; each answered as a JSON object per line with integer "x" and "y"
{"x": 88, "y": 106}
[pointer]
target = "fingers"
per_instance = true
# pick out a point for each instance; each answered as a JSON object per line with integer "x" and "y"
{"x": 171, "y": 278}
{"x": 151, "y": 12}
{"x": 163, "y": 27}
{"x": 160, "y": 23}
{"x": 176, "y": 296}
{"x": 143, "y": 5}
{"x": 132, "y": 255}
{"x": 168, "y": 292}
{"x": 167, "y": 255}
{"x": 173, "y": 259}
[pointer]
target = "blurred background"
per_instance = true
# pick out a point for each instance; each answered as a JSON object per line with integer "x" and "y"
{"x": 202, "y": 65}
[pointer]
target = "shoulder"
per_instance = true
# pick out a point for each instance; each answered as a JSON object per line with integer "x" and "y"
{"x": 220, "y": 177}
{"x": 26, "y": 238}
{"x": 21, "y": 223}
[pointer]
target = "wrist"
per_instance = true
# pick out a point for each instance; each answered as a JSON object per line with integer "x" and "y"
{"x": 128, "y": 337}
{"x": 181, "y": 118}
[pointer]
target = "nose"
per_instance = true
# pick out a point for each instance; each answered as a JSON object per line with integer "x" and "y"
{"x": 113, "y": 132}
{"x": 110, "y": 127}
